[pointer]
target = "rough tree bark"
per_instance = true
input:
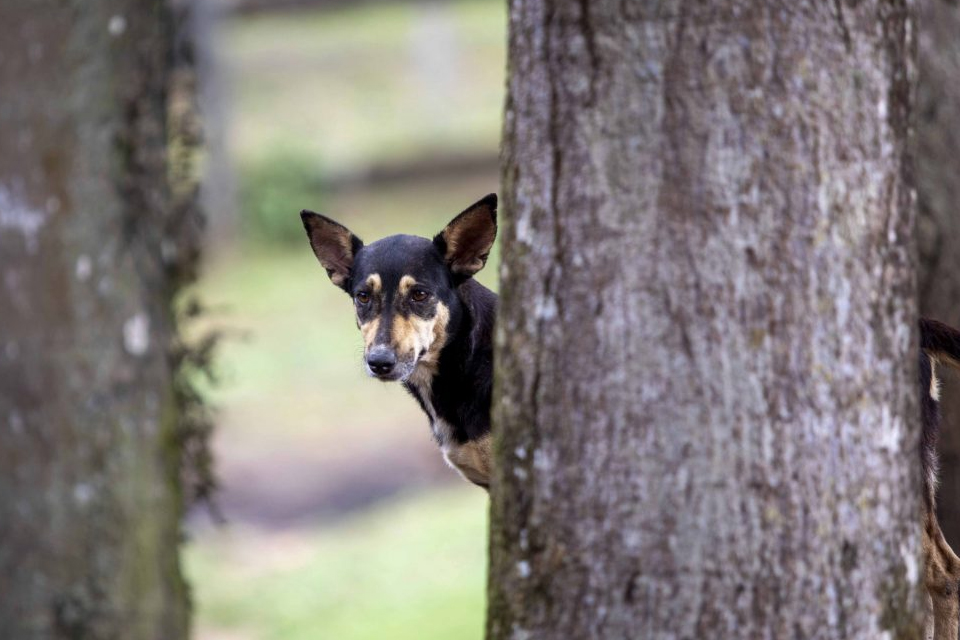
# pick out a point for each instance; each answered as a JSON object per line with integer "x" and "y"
{"x": 90, "y": 254}
{"x": 938, "y": 191}
{"x": 705, "y": 403}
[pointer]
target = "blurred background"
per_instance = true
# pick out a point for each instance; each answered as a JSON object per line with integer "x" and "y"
{"x": 341, "y": 520}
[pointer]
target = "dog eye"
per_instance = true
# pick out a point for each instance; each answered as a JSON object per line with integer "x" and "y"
{"x": 362, "y": 297}
{"x": 419, "y": 295}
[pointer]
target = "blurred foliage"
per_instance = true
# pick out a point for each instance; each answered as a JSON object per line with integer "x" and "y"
{"x": 411, "y": 570}
{"x": 274, "y": 186}
{"x": 190, "y": 354}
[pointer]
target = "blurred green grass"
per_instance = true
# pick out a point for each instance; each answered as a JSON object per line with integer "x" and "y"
{"x": 413, "y": 569}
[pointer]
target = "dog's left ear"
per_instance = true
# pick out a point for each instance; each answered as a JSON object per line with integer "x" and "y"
{"x": 334, "y": 245}
{"x": 465, "y": 243}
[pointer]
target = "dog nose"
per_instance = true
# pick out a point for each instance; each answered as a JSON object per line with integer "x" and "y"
{"x": 381, "y": 360}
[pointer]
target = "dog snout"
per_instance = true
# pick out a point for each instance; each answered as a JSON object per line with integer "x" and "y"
{"x": 381, "y": 361}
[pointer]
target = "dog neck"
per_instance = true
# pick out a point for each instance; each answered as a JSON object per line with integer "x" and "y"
{"x": 455, "y": 390}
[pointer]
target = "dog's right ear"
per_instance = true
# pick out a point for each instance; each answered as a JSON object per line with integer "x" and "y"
{"x": 465, "y": 243}
{"x": 334, "y": 245}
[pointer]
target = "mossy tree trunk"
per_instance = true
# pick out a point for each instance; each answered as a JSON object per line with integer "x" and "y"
{"x": 90, "y": 502}
{"x": 705, "y": 408}
{"x": 938, "y": 190}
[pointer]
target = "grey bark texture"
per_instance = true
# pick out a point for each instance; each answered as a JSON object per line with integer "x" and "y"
{"x": 938, "y": 199}
{"x": 705, "y": 411}
{"x": 92, "y": 246}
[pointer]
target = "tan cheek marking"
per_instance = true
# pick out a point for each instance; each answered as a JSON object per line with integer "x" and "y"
{"x": 407, "y": 335}
{"x": 424, "y": 333}
{"x": 401, "y": 335}
{"x": 369, "y": 329}
{"x": 440, "y": 320}
{"x": 369, "y": 332}
{"x": 406, "y": 283}
{"x": 412, "y": 334}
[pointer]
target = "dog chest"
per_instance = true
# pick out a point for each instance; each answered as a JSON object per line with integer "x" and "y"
{"x": 471, "y": 459}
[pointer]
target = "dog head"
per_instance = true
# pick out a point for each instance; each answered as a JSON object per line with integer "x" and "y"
{"x": 404, "y": 288}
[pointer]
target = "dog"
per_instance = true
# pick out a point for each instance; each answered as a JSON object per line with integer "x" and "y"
{"x": 429, "y": 325}
{"x": 425, "y": 321}
{"x": 939, "y": 346}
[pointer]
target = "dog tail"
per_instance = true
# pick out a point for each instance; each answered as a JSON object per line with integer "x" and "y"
{"x": 941, "y": 342}
{"x": 939, "y": 346}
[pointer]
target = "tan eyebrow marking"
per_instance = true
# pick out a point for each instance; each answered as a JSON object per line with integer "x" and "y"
{"x": 406, "y": 283}
{"x": 373, "y": 281}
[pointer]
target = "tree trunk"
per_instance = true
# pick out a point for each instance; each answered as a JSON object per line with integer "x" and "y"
{"x": 938, "y": 191}
{"x": 89, "y": 493}
{"x": 705, "y": 399}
